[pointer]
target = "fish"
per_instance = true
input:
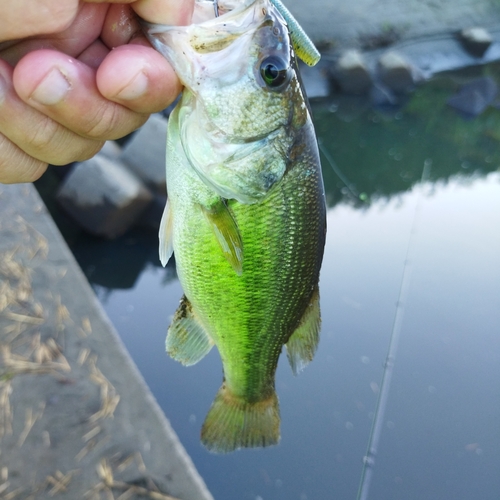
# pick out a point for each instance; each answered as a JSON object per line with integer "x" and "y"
{"x": 245, "y": 216}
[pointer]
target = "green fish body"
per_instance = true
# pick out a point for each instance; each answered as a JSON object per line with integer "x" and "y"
{"x": 245, "y": 215}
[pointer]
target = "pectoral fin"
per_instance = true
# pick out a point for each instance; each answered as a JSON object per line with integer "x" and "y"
{"x": 166, "y": 235}
{"x": 303, "y": 343}
{"x": 187, "y": 341}
{"x": 227, "y": 233}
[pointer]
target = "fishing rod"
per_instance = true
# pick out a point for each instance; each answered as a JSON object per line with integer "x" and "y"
{"x": 383, "y": 395}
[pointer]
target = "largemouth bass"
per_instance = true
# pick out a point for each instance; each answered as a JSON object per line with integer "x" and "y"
{"x": 245, "y": 215}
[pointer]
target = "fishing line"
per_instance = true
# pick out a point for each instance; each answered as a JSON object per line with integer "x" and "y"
{"x": 383, "y": 395}
{"x": 336, "y": 169}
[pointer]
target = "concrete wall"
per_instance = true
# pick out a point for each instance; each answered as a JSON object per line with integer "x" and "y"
{"x": 343, "y": 22}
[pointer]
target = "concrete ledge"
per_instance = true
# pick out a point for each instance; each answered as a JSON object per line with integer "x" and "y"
{"x": 76, "y": 417}
{"x": 347, "y": 24}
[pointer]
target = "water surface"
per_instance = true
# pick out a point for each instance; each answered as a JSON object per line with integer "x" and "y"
{"x": 414, "y": 197}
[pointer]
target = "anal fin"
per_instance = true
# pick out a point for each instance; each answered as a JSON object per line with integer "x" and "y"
{"x": 187, "y": 340}
{"x": 302, "y": 345}
{"x": 227, "y": 233}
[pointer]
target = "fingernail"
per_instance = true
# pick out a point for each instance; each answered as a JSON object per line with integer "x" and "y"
{"x": 52, "y": 89}
{"x": 135, "y": 88}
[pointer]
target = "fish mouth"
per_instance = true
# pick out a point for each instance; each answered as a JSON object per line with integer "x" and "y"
{"x": 185, "y": 46}
{"x": 212, "y": 48}
{"x": 208, "y": 33}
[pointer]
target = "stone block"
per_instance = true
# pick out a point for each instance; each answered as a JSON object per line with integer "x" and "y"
{"x": 396, "y": 72}
{"x": 103, "y": 197}
{"x": 476, "y": 40}
{"x": 144, "y": 154}
{"x": 352, "y": 74}
{"x": 474, "y": 97}
{"x": 151, "y": 217}
{"x": 111, "y": 150}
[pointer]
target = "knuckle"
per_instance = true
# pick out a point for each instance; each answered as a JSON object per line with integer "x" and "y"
{"x": 57, "y": 145}
{"x": 62, "y": 14}
{"x": 34, "y": 170}
{"x": 16, "y": 165}
{"x": 43, "y": 135}
{"x": 112, "y": 122}
{"x": 104, "y": 123}
{"x": 89, "y": 149}
{"x": 80, "y": 149}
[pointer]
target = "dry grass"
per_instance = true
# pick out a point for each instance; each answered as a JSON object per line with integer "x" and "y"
{"x": 29, "y": 423}
{"x": 22, "y": 350}
{"x": 108, "y": 485}
{"x": 86, "y": 326}
{"x": 60, "y": 481}
{"x": 45, "y": 358}
{"x": 6, "y": 414}
{"x": 109, "y": 397}
{"x": 26, "y": 349}
{"x": 92, "y": 445}
{"x": 83, "y": 355}
{"x": 15, "y": 494}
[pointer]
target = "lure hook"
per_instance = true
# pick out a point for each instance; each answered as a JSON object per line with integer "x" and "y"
{"x": 216, "y": 8}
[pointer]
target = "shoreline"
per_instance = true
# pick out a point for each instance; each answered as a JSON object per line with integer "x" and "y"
{"x": 345, "y": 24}
{"x": 76, "y": 417}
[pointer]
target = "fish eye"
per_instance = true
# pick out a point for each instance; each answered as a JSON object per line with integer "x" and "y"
{"x": 274, "y": 71}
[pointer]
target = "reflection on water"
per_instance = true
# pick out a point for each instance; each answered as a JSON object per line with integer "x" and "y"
{"x": 373, "y": 153}
{"x": 440, "y": 434}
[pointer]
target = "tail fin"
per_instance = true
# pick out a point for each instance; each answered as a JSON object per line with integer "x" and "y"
{"x": 233, "y": 423}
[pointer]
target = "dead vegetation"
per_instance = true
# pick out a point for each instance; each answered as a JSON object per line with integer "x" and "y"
{"x": 33, "y": 328}
{"x": 109, "y": 486}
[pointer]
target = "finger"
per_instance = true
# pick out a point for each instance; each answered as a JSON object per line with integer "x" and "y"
{"x": 84, "y": 29}
{"x": 139, "y": 78}
{"x": 16, "y": 165}
{"x": 36, "y": 134}
{"x": 120, "y": 25}
{"x": 94, "y": 54}
{"x": 65, "y": 90}
{"x": 22, "y": 18}
{"x": 172, "y": 12}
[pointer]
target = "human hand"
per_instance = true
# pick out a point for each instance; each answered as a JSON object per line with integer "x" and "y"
{"x": 75, "y": 74}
